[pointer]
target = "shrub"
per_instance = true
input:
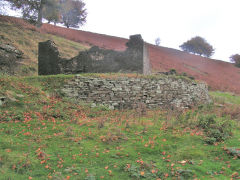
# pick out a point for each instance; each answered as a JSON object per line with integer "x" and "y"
{"x": 173, "y": 71}
{"x": 216, "y": 129}
{"x": 206, "y": 121}
{"x": 184, "y": 74}
{"x": 210, "y": 140}
{"x": 191, "y": 77}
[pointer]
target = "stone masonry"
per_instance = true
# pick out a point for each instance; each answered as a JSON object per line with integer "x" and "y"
{"x": 95, "y": 60}
{"x": 123, "y": 92}
{"x": 10, "y": 57}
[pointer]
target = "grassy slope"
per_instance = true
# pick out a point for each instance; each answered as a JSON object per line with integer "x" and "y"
{"x": 46, "y": 136}
{"x": 226, "y": 97}
{"x": 27, "y": 41}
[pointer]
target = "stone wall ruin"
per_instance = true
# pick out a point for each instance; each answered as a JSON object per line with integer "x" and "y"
{"x": 164, "y": 91}
{"x": 95, "y": 60}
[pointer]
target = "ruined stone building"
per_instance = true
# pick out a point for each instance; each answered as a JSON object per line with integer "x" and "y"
{"x": 95, "y": 60}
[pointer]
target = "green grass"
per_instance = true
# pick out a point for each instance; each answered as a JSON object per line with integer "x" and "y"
{"x": 226, "y": 97}
{"x": 46, "y": 136}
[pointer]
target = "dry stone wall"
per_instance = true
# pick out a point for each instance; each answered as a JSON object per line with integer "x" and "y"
{"x": 123, "y": 92}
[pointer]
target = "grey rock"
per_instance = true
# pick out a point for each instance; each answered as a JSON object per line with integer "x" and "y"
{"x": 2, "y": 101}
{"x": 10, "y": 58}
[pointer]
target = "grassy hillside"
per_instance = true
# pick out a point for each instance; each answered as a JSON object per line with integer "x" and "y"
{"x": 217, "y": 74}
{"x": 44, "y": 135}
{"x": 27, "y": 39}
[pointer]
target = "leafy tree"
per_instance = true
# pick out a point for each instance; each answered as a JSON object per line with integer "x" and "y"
{"x": 157, "y": 41}
{"x": 235, "y": 59}
{"x": 73, "y": 13}
{"x": 198, "y": 45}
{"x": 31, "y": 9}
{"x": 52, "y": 12}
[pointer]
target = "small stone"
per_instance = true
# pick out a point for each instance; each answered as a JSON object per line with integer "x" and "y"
{"x": 20, "y": 95}
{"x": 110, "y": 107}
{"x": 2, "y": 100}
{"x": 93, "y": 105}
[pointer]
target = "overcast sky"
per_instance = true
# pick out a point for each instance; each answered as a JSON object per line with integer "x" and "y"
{"x": 174, "y": 21}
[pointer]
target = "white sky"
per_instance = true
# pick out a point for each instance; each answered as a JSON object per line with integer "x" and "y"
{"x": 174, "y": 21}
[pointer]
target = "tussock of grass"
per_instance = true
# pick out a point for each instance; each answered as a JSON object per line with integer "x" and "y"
{"x": 46, "y": 136}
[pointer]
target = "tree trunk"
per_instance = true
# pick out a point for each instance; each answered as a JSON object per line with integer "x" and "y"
{"x": 40, "y": 14}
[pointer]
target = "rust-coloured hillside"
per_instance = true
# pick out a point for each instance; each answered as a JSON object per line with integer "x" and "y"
{"x": 218, "y": 74}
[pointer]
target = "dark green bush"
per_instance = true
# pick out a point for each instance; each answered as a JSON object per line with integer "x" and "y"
{"x": 173, "y": 71}
{"x": 216, "y": 129}
{"x": 191, "y": 77}
{"x": 215, "y": 133}
{"x": 210, "y": 140}
{"x": 184, "y": 74}
{"x": 205, "y": 121}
